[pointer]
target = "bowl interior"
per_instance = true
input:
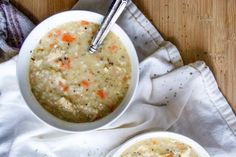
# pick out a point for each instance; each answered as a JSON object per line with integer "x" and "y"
{"x": 199, "y": 149}
{"x": 23, "y": 67}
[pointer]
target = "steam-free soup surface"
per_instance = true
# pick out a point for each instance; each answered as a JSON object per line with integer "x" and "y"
{"x": 159, "y": 147}
{"x": 73, "y": 84}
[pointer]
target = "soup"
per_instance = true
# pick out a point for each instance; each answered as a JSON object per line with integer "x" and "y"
{"x": 73, "y": 84}
{"x": 159, "y": 147}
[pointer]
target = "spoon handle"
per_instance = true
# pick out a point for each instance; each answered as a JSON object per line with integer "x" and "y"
{"x": 112, "y": 15}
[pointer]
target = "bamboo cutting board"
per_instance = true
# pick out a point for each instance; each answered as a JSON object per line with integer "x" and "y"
{"x": 201, "y": 30}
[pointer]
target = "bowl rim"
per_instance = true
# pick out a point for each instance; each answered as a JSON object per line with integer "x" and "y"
{"x": 161, "y": 134}
{"x": 45, "y": 116}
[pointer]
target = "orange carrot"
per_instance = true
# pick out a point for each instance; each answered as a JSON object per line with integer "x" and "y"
{"x": 65, "y": 89}
{"x": 50, "y": 35}
{"x": 84, "y": 83}
{"x": 168, "y": 155}
{"x": 67, "y": 38}
{"x": 52, "y": 45}
{"x": 61, "y": 66}
{"x": 84, "y": 23}
{"x": 113, "y": 48}
{"x": 58, "y": 32}
{"x": 154, "y": 141}
{"x": 125, "y": 78}
{"x": 101, "y": 94}
{"x": 63, "y": 86}
{"x": 94, "y": 32}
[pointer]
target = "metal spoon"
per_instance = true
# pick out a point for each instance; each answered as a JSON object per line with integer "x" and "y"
{"x": 112, "y": 15}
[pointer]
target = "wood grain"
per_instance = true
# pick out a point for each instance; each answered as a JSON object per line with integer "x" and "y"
{"x": 38, "y": 10}
{"x": 201, "y": 30}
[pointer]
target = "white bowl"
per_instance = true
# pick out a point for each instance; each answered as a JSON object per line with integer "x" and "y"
{"x": 198, "y": 149}
{"x": 23, "y": 67}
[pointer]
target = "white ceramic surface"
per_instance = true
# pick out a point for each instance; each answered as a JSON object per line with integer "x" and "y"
{"x": 199, "y": 149}
{"x": 23, "y": 66}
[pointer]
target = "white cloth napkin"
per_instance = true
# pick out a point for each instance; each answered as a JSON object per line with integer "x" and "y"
{"x": 182, "y": 99}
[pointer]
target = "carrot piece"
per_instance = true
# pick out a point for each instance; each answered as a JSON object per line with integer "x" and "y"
{"x": 65, "y": 89}
{"x": 84, "y": 83}
{"x": 154, "y": 141}
{"x": 168, "y": 155}
{"x": 61, "y": 66}
{"x": 113, "y": 48}
{"x": 50, "y": 35}
{"x": 67, "y": 38}
{"x": 58, "y": 32}
{"x": 84, "y": 23}
{"x": 125, "y": 78}
{"x": 63, "y": 86}
{"x": 94, "y": 32}
{"x": 101, "y": 94}
{"x": 52, "y": 45}
{"x": 64, "y": 64}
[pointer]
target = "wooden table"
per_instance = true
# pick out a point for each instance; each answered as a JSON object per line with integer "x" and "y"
{"x": 201, "y": 29}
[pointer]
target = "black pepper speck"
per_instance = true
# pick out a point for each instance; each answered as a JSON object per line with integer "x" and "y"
{"x": 175, "y": 94}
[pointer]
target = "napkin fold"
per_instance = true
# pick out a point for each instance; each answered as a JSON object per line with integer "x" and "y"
{"x": 170, "y": 96}
{"x": 14, "y": 27}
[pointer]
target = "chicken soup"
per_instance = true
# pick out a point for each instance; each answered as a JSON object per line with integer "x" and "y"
{"x": 159, "y": 147}
{"x": 73, "y": 84}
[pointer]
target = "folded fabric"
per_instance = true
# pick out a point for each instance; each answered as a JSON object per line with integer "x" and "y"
{"x": 182, "y": 99}
{"x": 14, "y": 27}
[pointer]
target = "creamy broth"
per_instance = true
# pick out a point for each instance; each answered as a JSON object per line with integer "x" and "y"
{"x": 73, "y": 84}
{"x": 159, "y": 147}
